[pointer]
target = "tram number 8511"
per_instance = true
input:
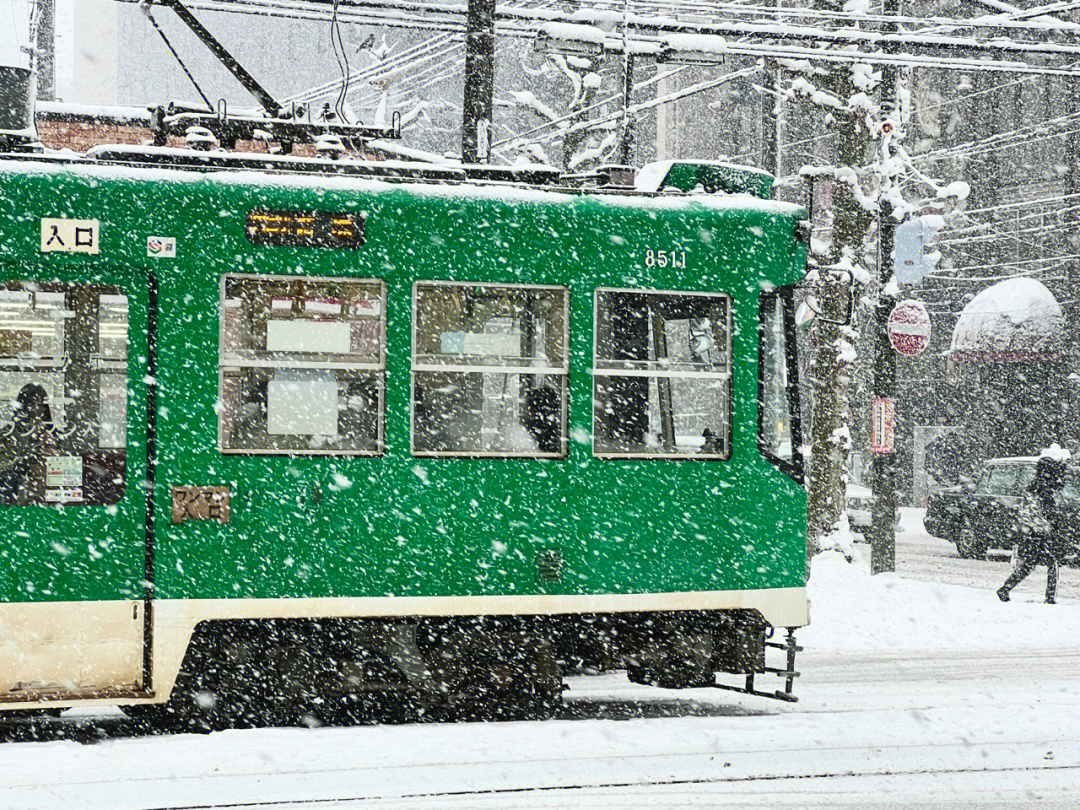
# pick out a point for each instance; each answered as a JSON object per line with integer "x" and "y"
{"x": 665, "y": 258}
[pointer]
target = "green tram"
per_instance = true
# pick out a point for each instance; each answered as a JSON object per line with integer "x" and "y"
{"x": 292, "y": 441}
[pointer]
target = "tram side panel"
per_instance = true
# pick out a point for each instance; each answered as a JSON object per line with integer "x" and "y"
{"x": 284, "y": 534}
{"x": 329, "y": 526}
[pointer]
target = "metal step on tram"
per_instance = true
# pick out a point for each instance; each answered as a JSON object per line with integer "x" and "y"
{"x": 787, "y": 672}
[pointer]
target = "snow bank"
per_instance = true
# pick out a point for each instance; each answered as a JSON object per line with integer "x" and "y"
{"x": 1015, "y": 319}
{"x": 852, "y": 612}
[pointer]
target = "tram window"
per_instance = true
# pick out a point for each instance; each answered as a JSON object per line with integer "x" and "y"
{"x": 778, "y": 407}
{"x": 302, "y": 365}
{"x": 662, "y": 375}
{"x": 63, "y": 393}
{"x": 490, "y": 369}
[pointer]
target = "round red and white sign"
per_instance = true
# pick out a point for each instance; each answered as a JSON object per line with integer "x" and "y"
{"x": 909, "y": 327}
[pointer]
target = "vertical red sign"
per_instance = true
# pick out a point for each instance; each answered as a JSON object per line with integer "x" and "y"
{"x": 883, "y": 426}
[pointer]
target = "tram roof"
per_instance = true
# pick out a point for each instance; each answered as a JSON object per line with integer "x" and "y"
{"x": 511, "y": 184}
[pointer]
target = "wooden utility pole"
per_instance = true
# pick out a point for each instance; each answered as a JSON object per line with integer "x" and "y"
{"x": 883, "y": 482}
{"x": 771, "y": 114}
{"x": 46, "y": 50}
{"x": 626, "y": 139}
{"x": 476, "y": 120}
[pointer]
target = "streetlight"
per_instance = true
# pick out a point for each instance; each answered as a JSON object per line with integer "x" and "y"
{"x": 570, "y": 39}
{"x": 706, "y": 50}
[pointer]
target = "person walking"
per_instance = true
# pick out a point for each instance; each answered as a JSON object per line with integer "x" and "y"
{"x": 1040, "y": 526}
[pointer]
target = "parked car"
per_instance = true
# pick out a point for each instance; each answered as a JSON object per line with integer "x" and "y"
{"x": 859, "y": 502}
{"x": 981, "y": 515}
{"x": 945, "y": 511}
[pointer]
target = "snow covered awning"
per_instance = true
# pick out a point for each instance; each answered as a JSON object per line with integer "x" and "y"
{"x": 1016, "y": 320}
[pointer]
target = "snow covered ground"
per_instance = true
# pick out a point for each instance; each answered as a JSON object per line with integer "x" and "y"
{"x": 913, "y": 694}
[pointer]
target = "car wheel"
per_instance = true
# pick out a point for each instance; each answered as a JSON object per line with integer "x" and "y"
{"x": 968, "y": 544}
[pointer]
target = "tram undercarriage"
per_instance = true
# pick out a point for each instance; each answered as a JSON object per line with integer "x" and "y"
{"x": 329, "y": 671}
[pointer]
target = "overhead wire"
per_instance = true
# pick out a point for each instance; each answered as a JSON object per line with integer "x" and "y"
{"x": 952, "y": 277}
{"x": 982, "y": 226}
{"x": 1023, "y": 203}
{"x": 637, "y": 108}
{"x": 1018, "y": 134}
{"x": 602, "y": 102}
{"x": 996, "y": 235}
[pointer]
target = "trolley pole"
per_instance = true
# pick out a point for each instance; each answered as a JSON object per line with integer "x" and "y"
{"x": 476, "y": 120}
{"x": 883, "y": 483}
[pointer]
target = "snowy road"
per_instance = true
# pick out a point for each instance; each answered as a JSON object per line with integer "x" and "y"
{"x": 874, "y": 731}
{"x": 930, "y": 559}
{"x": 914, "y": 694}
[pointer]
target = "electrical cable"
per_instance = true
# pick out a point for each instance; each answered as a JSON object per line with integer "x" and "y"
{"x": 373, "y": 72}
{"x": 337, "y": 42}
{"x": 1019, "y": 133}
{"x": 585, "y": 126}
{"x": 996, "y": 235}
{"x": 601, "y": 103}
{"x": 981, "y": 226}
{"x": 1023, "y": 203}
{"x": 724, "y": 10}
{"x": 953, "y": 277}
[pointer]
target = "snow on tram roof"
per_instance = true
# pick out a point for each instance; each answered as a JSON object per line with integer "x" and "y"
{"x": 453, "y": 183}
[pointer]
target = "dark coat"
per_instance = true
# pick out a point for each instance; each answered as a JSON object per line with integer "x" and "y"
{"x": 1040, "y": 527}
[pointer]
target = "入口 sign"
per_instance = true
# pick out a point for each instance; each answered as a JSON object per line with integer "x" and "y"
{"x": 70, "y": 235}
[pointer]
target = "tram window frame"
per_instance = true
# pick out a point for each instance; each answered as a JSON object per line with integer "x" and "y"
{"x": 610, "y": 367}
{"x": 319, "y": 361}
{"x": 767, "y": 306}
{"x": 561, "y": 372}
{"x": 87, "y": 464}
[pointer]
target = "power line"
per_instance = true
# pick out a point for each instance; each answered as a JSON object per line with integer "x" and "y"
{"x": 595, "y": 105}
{"x": 637, "y": 108}
{"x": 993, "y": 237}
{"x": 1014, "y": 134}
{"x": 1000, "y": 277}
{"x": 1023, "y": 203}
{"x": 983, "y": 226}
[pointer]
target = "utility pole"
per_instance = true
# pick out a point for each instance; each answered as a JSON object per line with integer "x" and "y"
{"x": 626, "y": 127}
{"x": 771, "y": 113}
{"x": 627, "y": 135}
{"x": 476, "y": 119}
{"x": 883, "y": 479}
{"x": 46, "y": 50}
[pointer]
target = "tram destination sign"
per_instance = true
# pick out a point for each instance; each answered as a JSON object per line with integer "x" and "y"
{"x": 321, "y": 229}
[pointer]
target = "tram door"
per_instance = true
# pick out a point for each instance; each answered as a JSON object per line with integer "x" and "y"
{"x": 74, "y": 385}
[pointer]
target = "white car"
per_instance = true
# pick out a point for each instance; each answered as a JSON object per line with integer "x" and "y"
{"x": 859, "y": 501}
